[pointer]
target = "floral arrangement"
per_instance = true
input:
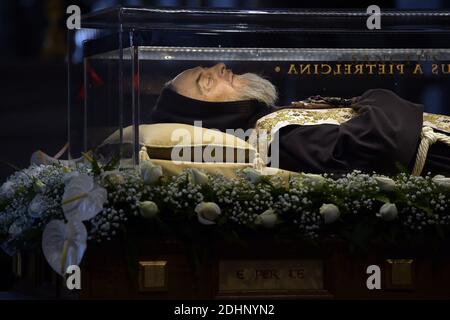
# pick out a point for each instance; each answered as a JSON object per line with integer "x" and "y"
{"x": 63, "y": 208}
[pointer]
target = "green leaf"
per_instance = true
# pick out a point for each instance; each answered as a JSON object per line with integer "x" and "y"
{"x": 382, "y": 198}
{"x": 112, "y": 164}
{"x": 426, "y": 209}
{"x": 96, "y": 169}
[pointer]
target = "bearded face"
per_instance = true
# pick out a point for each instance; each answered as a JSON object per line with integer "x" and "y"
{"x": 219, "y": 84}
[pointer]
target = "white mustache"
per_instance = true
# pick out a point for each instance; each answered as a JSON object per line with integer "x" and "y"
{"x": 258, "y": 88}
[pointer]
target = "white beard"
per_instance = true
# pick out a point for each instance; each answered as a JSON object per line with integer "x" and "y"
{"x": 258, "y": 88}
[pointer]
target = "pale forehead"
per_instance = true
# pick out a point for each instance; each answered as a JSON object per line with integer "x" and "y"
{"x": 185, "y": 82}
{"x": 187, "y": 73}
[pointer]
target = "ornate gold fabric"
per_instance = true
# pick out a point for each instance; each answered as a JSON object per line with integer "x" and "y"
{"x": 273, "y": 122}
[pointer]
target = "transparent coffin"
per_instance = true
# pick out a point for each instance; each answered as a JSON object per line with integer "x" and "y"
{"x": 122, "y": 57}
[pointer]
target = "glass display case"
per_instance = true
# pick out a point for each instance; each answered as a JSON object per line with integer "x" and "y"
{"x": 121, "y": 58}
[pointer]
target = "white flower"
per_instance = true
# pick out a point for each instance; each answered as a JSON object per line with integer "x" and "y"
{"x": 15, "y": 229}
{"x": 148, "y": 209}
{"x": 442, "y": 181}
{"x": 82, "y": 198}
{"x": 38, "y": 186}
{"x": 316, "y": 178}
{"x": 72, "y": 174}
{"x": 385, "y": 183}
{"x": 252, "y": 175}
{"x": 7, "y": 190}
{"x": 388, "y": 211}
{"x": 197, "y": 177}
{"x": 330, "y": 212}
{"x": 114, "y": 177}
{"x": 149, "y": 172}
{"x": 267, "y": 219}
{"x": 36, "y": 206}
{"x": 207, "y": 212}
{"x": 64, "y": 244}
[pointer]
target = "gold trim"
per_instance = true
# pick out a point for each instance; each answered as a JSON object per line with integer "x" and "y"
{"x": 400, "y": 273}
{"x": 273, "y": 122}
{"x": 270, "y": 276}
{"x": 153, "y": 276}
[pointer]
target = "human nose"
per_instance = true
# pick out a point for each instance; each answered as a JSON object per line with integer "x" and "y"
{"x": 220, "y": 69}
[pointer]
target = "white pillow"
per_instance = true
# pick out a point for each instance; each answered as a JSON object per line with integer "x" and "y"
{"x": 185, "y": 142}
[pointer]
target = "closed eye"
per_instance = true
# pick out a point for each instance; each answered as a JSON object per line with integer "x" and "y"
{"x": 209, "y": 81}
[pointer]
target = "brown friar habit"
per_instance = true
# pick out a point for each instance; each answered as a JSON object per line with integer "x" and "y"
{"x": 383, "y": 137}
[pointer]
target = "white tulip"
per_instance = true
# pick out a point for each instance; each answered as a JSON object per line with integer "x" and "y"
{"x": 36, "y": 206}
{"x": 330, "y": 212}
{"x": 197, "y": 177}
{"x": 441, "y": 181}
{"x": 148, "y": 209}
{"x": 149, "y": 172}
{"x": 388, "y": 211}
{"x": 83, "y": 199}
{"x": 64, "y": 244}
{"x": 207, "y": 212}
{"x": 385, "y": 183}
{"x": 267, "y": 219}
{"x": 252, "y": 175}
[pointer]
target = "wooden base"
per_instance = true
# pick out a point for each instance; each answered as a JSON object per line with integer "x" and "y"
{"x": 161, "y": 269}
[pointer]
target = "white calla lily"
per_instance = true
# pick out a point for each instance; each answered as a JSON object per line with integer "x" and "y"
{"x": 149, "y": 172}
{"x": 388, "y": 212}
{"x": 69, "y": 175}
{"x": 207, "y": 212}
{"x": 330, "y": 212}
{"x": 64, "y": 244}
{"x": 82, "y": 199}
{"x": 267, "y": 219}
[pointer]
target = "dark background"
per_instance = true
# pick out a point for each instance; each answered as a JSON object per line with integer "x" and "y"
{"x": 33, "y": 83}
